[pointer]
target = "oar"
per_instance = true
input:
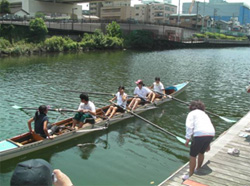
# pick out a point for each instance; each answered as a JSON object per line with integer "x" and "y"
{"x": 223, "y": 118}
{"x": 32, "y": 108}
{"x": 154, "y": 125}
{"x": 96, "y": 93}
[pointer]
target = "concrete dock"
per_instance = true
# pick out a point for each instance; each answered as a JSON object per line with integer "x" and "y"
{"x": 220, "y": 167}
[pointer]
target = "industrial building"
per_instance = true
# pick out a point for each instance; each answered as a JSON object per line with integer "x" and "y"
{"x": 219, "y": 10}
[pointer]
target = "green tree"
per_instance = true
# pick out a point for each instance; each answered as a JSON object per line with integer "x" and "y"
{"x": 38, "y": 30}
{"x": 4, "y": 7}
{"x": 114, "y": 30}
{"x": 39, "y": 15}
{"x": 140, "y": 39}
{"x": 7, "y": 32}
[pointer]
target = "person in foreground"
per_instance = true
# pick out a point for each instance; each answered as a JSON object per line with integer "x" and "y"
{"x": 86, "y": 110}
{"x": 142, "y": 95}
{"x": 121, "y": 97}
{"x": 198, "y": 126}
{"x": 38, "y": 172}
{"x": 158, "y": 88}
{"x": 41, "y": 122}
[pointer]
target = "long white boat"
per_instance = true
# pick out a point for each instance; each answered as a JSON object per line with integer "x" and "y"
{"x": 27, "y": 142}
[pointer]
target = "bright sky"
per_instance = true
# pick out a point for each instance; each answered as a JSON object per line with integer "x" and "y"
{"x": 175, "y": 2}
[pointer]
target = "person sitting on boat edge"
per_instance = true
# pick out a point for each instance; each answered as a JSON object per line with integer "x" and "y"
{"x": 142, "y": 95}
{"x": 86, "y": 111}
{"x": 41, "y": 121}
{"x": 121, "y": 97}
{"x": 198, "y": 125}
{"x": 158, "y": 88}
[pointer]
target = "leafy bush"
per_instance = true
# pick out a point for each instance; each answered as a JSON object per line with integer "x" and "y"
{"x": 114, "y": 30}
{"x": 54, "y": 44}
{"x": 4, "y": 43}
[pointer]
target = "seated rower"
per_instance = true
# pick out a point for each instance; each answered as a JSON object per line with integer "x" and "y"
{"x": 142, "y": 95}
{"x": 121, "y": 97}
{"x": 86, "y": 110}
{"x": 158, "y": 88}
{"x": 41, "y": 121}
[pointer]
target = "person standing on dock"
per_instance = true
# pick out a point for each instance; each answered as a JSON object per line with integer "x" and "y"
{"x": 41, "y": 122}
{"x": 121, "y": 97}
{"x": 86, "y": 111}
{"x": 200, "y": 127}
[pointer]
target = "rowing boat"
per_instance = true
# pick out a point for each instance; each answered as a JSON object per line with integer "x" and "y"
{"x": 28, "y": 142}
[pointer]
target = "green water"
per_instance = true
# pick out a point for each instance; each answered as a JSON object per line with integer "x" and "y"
{"x": 131, "y": 152}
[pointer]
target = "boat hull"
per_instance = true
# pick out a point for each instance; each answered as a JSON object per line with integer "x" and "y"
{"x": 10, "y": 149}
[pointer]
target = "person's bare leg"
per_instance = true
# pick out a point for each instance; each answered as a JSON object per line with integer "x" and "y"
{"x": 113, "y": 112}
{"x": 138, "y": 100}
{"x": 200, "y": 160}
{"x": 109, "y": 110}
{"x": 192, "y": 165}
{"x": 74, "y": 123}
{"x": 131, "y": 103}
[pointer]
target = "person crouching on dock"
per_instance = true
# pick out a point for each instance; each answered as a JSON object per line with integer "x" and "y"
{"x": 121, "y": 97}
{"x": 86, "y": 111}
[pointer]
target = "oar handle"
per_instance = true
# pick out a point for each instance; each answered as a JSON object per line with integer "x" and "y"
{"x": 97, "y": 93}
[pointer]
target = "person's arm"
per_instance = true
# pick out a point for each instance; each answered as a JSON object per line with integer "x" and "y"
{"x": 189, "y": 128}
{"x": 62, "y": 179}
{"x": 45, "y": 123}
{"x": 124, "y": 97}
{"x": 29, "y": 125}
{"x": 114, "y": 98}
{"x": 151, "y": 87}
{"x": 92, "y": 110}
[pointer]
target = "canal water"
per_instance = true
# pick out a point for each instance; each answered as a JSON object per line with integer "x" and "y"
{"x": 132, "y": 152}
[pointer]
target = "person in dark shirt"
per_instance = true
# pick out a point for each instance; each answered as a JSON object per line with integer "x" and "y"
{"x": 41, "y": 121}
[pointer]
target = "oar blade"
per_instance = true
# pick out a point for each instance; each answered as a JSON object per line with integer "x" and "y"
{"x": 228, "y": 120}
{"x": 181, "y": 139}
{"x": 16, "y": 107}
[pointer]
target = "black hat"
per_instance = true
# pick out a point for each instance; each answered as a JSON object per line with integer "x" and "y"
{"x": 32, "y": 172}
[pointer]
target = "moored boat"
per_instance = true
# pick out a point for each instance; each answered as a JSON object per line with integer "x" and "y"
{"x": 27, "y": 142}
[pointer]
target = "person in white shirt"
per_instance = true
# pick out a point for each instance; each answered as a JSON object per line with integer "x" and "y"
{"x": 142, "y": 95}
{"x": 121, "y": 97}
{"x": 158, "y": 89}
{"x": 86, "y": 110}
{"x": 200, "y": 127}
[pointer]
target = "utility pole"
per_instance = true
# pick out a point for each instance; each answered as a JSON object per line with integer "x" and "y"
{"x": 179, "y": 10}
{"x": 215, "y": 14}
{"x": 203, "y": 20}
{"x": 197, "y": 11}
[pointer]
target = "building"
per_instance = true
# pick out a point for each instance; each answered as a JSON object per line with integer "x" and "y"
{"x": 49, "y": 8}
{"x": 220, "y": 10}
{"x": 112, "y": 10}
{"x": 190, "y": 21}
{"x": 155, "y": 12}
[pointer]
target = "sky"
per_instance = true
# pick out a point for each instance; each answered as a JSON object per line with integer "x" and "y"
{"x": 175, "y": 2}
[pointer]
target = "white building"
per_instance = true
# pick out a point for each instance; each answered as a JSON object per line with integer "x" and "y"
{"x": 49, "y": 8}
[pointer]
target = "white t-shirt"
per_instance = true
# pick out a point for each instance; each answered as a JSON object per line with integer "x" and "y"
{"x": 158, "y": 87}
{"x": 142, "y": 93}
{"x": 90, "y": 106}
{"x": 120, "y": 101}
{"x": 198, "y": 124}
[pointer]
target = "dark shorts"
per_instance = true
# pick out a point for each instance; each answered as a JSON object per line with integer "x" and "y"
{"x": 119, "y": 109}
{"x": 143, "y": 101}
{"x": 200, "y": 145}
{"x": 84, "y": 117}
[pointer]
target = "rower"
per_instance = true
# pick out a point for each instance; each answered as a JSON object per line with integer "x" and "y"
{"x": 142, "y": 95}
{"x": 158, "y": 88}
{"x": 121, "y": 97}
{"x": 41, "y": 121}
{"x": 86, "y": 112}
